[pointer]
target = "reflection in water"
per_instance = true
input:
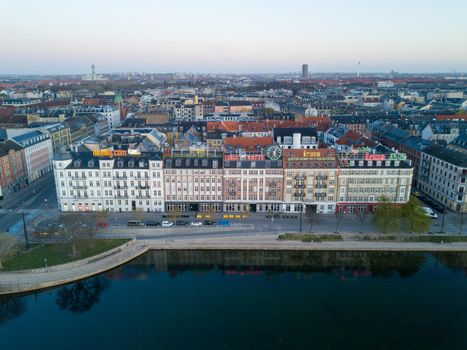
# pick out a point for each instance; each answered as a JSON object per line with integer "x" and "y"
{"x": 10, "y": 308}
{"x": 252, "y": 300}
{"x": 81, "y": 296}
{"x": 379, "y": 264}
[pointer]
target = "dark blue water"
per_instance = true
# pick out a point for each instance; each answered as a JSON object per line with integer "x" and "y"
{"x": 251, "y": 300}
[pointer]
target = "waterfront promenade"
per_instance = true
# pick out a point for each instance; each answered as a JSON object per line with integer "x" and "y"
{"x": 31, "y": 280}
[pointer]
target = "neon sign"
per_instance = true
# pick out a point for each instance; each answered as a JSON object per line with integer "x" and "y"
{"x": 109, "y": 153}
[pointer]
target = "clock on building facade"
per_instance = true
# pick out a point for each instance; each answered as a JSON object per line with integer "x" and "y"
{"x": 274, "y": 152}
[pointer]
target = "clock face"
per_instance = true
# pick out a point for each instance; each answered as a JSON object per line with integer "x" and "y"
{"x": 274, "y": 152}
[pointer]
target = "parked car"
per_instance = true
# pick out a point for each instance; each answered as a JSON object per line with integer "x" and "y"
{"x": 196, "y": 223}
{"x": 430, "y": 212}
{"x": 167, "y": 223}
{"x": 102, "y": 224}
{"x": 151, "y": 223}
{"x": 181, "y": 223}
{"x": 224, "y": 222}
{"x": 134, "y": 223}
{"x": 209, "y": 223}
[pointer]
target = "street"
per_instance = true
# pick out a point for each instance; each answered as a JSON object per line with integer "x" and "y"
{"x": 39, "y": 204}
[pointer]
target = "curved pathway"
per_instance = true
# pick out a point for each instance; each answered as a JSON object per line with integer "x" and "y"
{"x": 30, "y": 280}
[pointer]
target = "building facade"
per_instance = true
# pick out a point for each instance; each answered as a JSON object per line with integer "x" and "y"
{"x": 13, "y": 171}
{"x": 110, "y": 181}
{"x": 443, "y": 173}
{"x": 38, "y": 152}
{"x": 310, "y": 180}
{"x": 59, "y": 135}
{"x": 364, "y": 179}
{"x": 193, "y": 181}
{"x": 253, "y": 182}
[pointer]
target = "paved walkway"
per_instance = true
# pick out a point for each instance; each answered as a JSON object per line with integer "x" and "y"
{"x": 30, "y": 280}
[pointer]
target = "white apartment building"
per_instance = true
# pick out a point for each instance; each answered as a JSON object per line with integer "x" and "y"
{"x": 443, "y": 173}
{"x": 38, "y": 151}
{"x": 188, "y": 112}
{"x": 111, "y": 113}
{"x": 119, "y": 182}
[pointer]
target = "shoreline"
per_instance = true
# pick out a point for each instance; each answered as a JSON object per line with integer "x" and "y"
{"x": 26, "y": 281}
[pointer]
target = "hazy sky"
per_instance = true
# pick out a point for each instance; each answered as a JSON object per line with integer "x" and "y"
{"x": 62, "y": 36}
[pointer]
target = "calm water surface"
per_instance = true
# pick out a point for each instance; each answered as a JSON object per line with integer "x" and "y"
{"x": 251, "y": 300}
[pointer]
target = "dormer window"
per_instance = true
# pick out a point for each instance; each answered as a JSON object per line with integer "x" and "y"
{"x": 120, "y": 164}
{"x": 388, "y": 163}
{"x": 131, "y": 164}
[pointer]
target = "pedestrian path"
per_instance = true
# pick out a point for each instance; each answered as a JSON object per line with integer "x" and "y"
{"x": 29, "y": 280}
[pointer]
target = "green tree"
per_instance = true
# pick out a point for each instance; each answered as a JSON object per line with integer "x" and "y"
{"x": 413, "y": 217}
{"x": 387, "y": 216}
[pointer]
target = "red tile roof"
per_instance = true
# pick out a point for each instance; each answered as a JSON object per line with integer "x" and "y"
{"x": 248, "y": 142}
{"x": 451, "y": 116}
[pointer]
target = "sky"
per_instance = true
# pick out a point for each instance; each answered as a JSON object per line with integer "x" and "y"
{"x": 232, "y": 36}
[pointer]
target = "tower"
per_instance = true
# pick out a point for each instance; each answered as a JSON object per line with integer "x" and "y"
{"x": 358, "y": 71}
{"x": 93, "y": 72}
{"x": 304, "y": 71}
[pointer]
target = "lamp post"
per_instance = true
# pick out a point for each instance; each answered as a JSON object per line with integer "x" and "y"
{"x": 25, "y": 231}
{"x": 301, "y": 216}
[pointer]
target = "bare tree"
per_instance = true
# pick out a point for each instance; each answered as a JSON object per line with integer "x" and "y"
{"x": 139, "y": 214}
{"x": 362, "y": 215}
{"x": 312, "y": 217}
{"x": 338, "y": 214}
{"x": 461, "y": 218}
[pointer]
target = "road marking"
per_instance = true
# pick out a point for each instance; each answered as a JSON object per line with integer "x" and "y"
{"x": 27, "y": 211}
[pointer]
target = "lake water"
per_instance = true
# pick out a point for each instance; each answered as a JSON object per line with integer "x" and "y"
{"x": 251, "y": 300}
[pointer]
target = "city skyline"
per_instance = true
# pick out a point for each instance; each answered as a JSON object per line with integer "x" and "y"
{"x": 53, "y": 37}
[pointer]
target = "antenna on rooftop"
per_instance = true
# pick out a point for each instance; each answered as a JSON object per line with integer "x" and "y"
{"x": 93, "y": 72}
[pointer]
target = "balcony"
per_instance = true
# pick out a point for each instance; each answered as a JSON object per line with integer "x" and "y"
{"x": 122, "y": 177}
{"x": 79, "y": 187}
{"x": 302, "y": 177}
{"x": 142, "y": 187}
{"x": 321, "y": 186}
{"x": 83, "y": 196}
{"x": 302, "y": 186}
{"x": 121, "y": 187}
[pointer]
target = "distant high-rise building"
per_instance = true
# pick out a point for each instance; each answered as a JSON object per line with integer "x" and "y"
{"x": 304, "y": 71}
